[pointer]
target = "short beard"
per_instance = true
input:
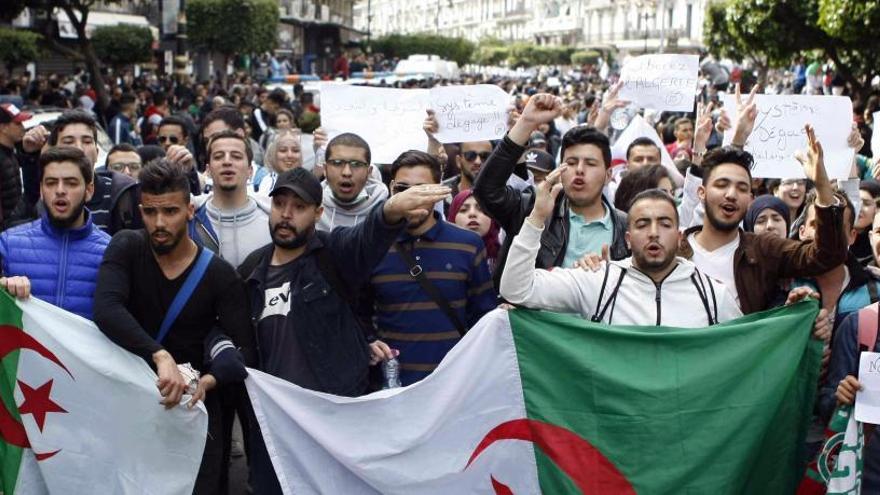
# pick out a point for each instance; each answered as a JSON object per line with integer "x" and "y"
{"x": 163, "y": 249}
{"x": 716, "y": 223}
{"x": 419, "y": 223}
{"x": 66, "y": 223}
{"x": 228, "y": 188}
{"x": 642, "y": 263}
{"x": 466, "y": 172}
{"x": 299, "y": 239}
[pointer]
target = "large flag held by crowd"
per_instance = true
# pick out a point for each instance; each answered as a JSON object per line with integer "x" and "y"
{"x": 81, "y": 415}
{"x": 532, "y": 402}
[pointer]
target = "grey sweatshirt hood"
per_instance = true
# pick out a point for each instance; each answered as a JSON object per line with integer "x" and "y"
{"x": 338, "y": 214}
{"x": 240, "y": 231}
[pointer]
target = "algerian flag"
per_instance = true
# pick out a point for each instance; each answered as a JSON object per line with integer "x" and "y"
{"x": 81, "y": 415}
{"x": 532, "y": 402}
{"x": 639, "y": 128}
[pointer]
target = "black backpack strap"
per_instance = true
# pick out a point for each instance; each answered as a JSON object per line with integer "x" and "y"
{"x": 697, "y": 280}
{"x": 595, "y": 318}
{"x": 611, "y": 299}
{"x": 714, "y": 298}
{"x": 416, "y": 272}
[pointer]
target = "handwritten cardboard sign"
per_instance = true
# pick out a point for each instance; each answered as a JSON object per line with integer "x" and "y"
{"x": 470, "y": 113}
{"x": 663, "y": 82}
{"x": 390, "y": 120}
{"x": 868, "y": 399}
{"x": 779, "y": 133}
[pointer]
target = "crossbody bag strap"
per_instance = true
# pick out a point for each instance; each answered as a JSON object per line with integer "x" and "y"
{"x": 416, "y": 272}
{"x": 185, "y": 292}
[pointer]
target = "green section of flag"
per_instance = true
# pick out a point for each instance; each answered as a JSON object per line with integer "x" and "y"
{"x": 10, "y": 455}
{"x": 719, "y": 410}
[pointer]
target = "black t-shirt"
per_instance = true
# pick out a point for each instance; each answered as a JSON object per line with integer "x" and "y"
{"x": 133, "y": 296}
{"x": 274, "y": 332}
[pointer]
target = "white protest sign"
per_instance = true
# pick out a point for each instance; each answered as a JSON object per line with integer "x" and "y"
{"x": 875, "y": 136}
{"x": 470, "y": 113}
{"x": 779, "y": 133}
{"x": 664, "y": 82}
{"x": 390, "y": 120}
{"x": 639, "y": 128}
{"x": 868, "y": 399}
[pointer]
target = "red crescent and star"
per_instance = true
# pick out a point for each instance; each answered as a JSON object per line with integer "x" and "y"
{"x": 37, "y": 401}
{"x": 587, "y": 467}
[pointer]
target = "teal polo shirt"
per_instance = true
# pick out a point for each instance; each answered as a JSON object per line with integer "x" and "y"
{"x": 587, "y": 237}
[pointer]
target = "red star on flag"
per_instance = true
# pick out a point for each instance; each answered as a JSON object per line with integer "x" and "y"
{"x": 37, "y": 402}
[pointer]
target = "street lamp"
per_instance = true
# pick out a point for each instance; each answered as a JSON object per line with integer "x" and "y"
{"x": 647, "y": 11}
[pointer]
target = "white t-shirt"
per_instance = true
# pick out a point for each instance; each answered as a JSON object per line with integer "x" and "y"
{"x": 717, "y": 264}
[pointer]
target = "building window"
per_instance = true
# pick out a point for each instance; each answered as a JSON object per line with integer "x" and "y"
{"x": 669, "y": 18}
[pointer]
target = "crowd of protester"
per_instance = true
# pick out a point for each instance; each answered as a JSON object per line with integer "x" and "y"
{"x": 316, "y": 264}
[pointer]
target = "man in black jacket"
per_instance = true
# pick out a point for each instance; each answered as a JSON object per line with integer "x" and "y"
{"x": 301, "y": 290}
{"x": 11, "y": 133}
{"x": 583, "y": 220}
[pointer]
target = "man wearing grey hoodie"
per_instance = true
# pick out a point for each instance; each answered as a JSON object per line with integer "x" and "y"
{"x": 350, "y": 190}
{"x": 228, "y": 221}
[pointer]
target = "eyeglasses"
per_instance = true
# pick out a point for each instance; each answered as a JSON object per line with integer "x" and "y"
{"x": 171, "y": 139}
{"x": 354, "y": 164}
{"x": 472, "y": 155}
{"x": 120, "y": 166}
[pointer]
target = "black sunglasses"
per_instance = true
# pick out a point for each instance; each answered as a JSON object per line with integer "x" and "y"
{"x": 171, "y": 139}
{"x": 472, "y": 155}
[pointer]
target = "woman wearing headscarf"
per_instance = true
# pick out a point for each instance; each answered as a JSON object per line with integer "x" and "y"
{"x": 767, "y": 214}
{"x": 467, "y": 214}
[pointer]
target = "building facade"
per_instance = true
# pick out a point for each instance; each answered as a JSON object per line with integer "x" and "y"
{"x": 632, "y": 26}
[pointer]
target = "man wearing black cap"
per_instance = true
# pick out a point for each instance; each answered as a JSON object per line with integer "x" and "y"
{"x": 540, "y": 163}
{"x": 11, "y": 133}
{"x": 302, "y": 289}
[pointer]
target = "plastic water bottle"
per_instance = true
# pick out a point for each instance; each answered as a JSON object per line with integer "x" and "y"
{"x": 391, "y": 371}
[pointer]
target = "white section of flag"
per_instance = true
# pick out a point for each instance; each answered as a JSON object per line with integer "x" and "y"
{"x": 411, "y": 440}
{"x": 639, "y": 128}
{"x": 115, "y": 436}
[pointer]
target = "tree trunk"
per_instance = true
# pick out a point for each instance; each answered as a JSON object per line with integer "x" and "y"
{"x": 862, "y": 89}
{"x": 92, "y": 63}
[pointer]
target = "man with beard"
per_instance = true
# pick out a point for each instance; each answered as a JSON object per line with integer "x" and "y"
{"x": 229, "y": 221}
{"x": 350, "y": 191}
{"x": 433, "y": 284}
{"x": 471, "y": 158}
{"x": 583, "y": 220}
{"x": 302, "y": 289}
{"x": 752, "y": 265}
{"x": 56, "y": 257}
{"x": 143, "y": 284}
{"x": 620, "y": 293}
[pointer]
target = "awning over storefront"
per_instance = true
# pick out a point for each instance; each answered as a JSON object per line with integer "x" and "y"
{"x": 67, "y": 31}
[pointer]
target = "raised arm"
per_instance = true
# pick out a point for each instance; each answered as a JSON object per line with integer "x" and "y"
{"x": 363, "y": 246}
{"x": 501, "y": 202}
{"x": 523, "y": 284}
{"x": 828, "y": 250}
